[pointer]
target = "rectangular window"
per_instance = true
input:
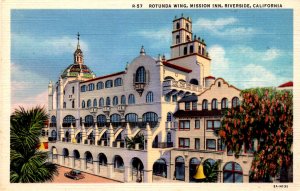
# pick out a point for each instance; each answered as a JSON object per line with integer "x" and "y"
{"x": 197, "y": 124}
{"x": 197, "y": 144}
{"x": 184, "y": 143}
{"x": 213, "y": 124}
{"x": 187, "y": 106}
{"x": 221, "y": 145}
{"x": 211, "y": 144}
{"x": 184, "y": 125}
{"x": 194, "y": 105}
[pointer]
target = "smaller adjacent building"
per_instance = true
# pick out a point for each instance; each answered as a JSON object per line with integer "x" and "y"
{"x": 197, "y": 140}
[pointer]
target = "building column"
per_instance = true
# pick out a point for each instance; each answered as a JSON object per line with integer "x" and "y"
{"x": 72, "y": 135}
{"x": 61, "y": 133}
{"x": 147, "y": 176}
{"x": 83, "y": 164}
{"x": 83, "y": 133}
{"x": 126, "y": 173}
{"x": 186, "y": 173}
{"x": 72, "y": 162}
{"x": 172, "y": 171}
{"x": 110, "y": 170}
{"x": 96, "y": 167}
{"x": 148, "y": 137}
{"x": 60, "y": 159}
{"x": 96, "y": 131}
{"x": 169, "y": 172}
{"x": 110, "y": 135}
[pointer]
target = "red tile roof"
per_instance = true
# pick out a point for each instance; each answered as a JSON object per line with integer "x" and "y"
{"x": 210, "y": 77}
{"x": 168, "y": 64}
{"x": 287, "y": 84}
{"x": 106, "y": 76}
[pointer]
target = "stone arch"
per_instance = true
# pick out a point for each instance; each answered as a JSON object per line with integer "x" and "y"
{"x": 117, "y": 132}
{"x": 179, "y": 168}
{"x": 193, "y": 166}
{"x": 102, "y": 159}
{"x": 160, "y": 167}
{"x": 88, "y": 157}
{"x": 118, "y": 162}
{"x": 76, "y": 154}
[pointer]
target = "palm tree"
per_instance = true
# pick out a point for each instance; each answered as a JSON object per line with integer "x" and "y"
{"x": 27, "y": 163}
{"x": 211, "y": 171}
{"x": 130, "y": 142}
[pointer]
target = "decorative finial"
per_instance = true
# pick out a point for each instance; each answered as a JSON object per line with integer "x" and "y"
{"x": 181, "y": 14}
{"x": 142, "y": 52}
{"x": 126, "y": 66}
{"x": 78, "y": 35}
{"x": 163, "y": 57}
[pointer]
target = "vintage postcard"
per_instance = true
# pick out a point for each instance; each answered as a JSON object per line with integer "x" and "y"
{"x": 149, "y": 95}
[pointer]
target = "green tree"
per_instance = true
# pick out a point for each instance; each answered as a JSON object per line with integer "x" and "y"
{"x": 211, "y": 171}
{"x": 27, "y": 163}
{"x": 266, "y": 116}
{"x": 130, "y": 142}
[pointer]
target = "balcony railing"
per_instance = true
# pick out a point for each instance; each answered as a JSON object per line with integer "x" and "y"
{"x": 162, "y": 145}
{"x": 52, "y": 125}
{"x": 173, "y": 84}
{"x": 69, "y": 124}
{"x": 139, "y": 124}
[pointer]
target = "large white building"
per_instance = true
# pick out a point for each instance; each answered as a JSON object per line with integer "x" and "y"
{"x": 90, "y": 117}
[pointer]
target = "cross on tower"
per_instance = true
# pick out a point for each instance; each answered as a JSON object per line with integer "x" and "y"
{"x": 78, "y": 35}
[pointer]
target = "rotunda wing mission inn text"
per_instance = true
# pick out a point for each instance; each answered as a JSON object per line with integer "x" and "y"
{"x": 168, "y": 109}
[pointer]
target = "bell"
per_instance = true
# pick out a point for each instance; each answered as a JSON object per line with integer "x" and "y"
{"x": 200, "y": 173}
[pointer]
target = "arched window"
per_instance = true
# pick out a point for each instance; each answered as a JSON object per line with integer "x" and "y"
{"x": 118, "y": 82}
{"x": 191, "y": 49}
{"x": 123, "y": 100}
{"x": 53, "y": 135}
{"x": 107, "y": 101}
{"x": 101, "y": 102}
{"x": 169, "y": 116}
{"x": 73, "y": 104}
{"x": 177, "y": 39}
{"x": 204, "y": 104}
{"x": 83, "y": 104}
{"x": 169, "y": 78}
{"x": 95, "y": 102}
{"x": 194, "y": 81}
{"x": 185, "y": 51}
{"x": 108, "y": 84}
{"x": 83, "y": 88}
{"x": 101, "y": 120}
{"x": 224, "y": 103}
{"x": 100, "y": 85}
{"x": 160, "y": 168}
{"x": 167, "y": 98}
{"x": 177, "y": 25}
{"x": 91, "y": 87}
{"x": 115, "y": 118}
{"x": 89, "y": 103}
{"x": 131, "y": 99}
{"x": 187, "y": 38}
{"x": 179, "y": 168}
{"x": 149, "y": 97}
{"x": 140, "y": 75}
{"x": 68, "y": 120}
{"x": 187, "y": 27}
{"x": 232, "y": 172}
{"x": 151, "y": 118}
{"x": 89, "y": 121}
{"x": 235, "y": 102}
{"x": 53, "y": 121}
{"x": 115, "y": 100}
{"x": 64, "y": 105}
{"x": 214, "y": 104}
{"x": 174, "y": 98}
{"x": 131, "y": 117}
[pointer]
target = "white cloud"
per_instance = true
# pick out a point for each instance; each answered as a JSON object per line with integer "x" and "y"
{"x": 158, "y": 37}
{"x": 46, "y": 46}
{"x": 27, "y": 88}
{"x": 224, "y": 27}
{"x": 245, "y": 74}
{"x": 271, "y": 54}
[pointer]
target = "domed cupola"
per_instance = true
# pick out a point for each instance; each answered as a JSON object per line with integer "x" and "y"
{"x": 78, "y": 69}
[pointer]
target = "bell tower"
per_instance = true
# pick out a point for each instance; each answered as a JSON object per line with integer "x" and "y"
{"x": 189, "y": 51}
{"x": 78, "y": 55}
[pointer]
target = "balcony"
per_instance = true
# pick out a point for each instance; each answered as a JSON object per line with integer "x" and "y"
{"x": 106, "y": 110}
{"x": 139, "y": 87}
{"x": 162, "y": 145}
{"x": 171, "y": 85}
{"x": 52, "y": 125}
{"x": 69, "y": 124}
{"x": 121, "y": 109}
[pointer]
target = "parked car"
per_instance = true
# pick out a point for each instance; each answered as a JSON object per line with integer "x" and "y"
{"x": 74, "y": 174}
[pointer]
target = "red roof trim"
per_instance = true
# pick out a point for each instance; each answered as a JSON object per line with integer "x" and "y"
{"x": 287, "y": 84}
{"x": 106, "y": 76}
{"x": 168, "y": 64}
{"x": 210, "y": 77}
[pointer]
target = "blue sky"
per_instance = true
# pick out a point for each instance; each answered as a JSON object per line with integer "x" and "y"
{"x": 248, "y": 48}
